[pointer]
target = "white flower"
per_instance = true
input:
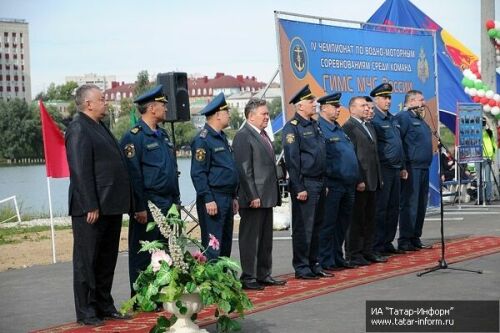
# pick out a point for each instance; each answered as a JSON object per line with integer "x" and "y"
{"x": 157, "y": 257}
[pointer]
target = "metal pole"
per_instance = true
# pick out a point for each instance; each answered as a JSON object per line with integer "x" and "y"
{"x": 52, "y": 234}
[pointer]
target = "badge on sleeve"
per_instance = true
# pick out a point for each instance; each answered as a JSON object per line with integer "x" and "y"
{"x": 200, "y": 154}
{"x": 290, "y": 138}
{"x": 129, "y": 150}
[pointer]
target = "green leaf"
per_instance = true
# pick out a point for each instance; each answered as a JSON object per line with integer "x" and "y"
{"x": 147, "y": 246}
{"x": 190, "y": 287}
{"x": 173, "y": 212}
{"x": 150, "y": 226}
{"x": 164, "y": 275}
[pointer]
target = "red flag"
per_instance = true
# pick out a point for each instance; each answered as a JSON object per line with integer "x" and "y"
{"x": 53, "y": 146}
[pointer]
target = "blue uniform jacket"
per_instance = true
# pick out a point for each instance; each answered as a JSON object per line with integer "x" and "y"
{"x": 417, "y": 140}
{"x": 341, "y": 161}
{"x": 389, "y": 145}
{"x": 304, "y": 151}
{"x": 152, "y": 166}
{"x": 212, "y": 166}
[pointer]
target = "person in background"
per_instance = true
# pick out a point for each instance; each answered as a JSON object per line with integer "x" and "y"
{"x": 304, "y": 148}
{"x": 215, "y": 178}
{"x": 489, "y": 154}
{"x": 153, "y": 172}
{"x": 257, "y": 195}
{"x": 341, "y": 177}
{"x": 99, "y": 194}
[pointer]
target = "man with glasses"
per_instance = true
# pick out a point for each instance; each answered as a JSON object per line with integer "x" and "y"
{"x": 305, "y": 161}
{"x": 99, "y": 194}
{"x": 153, "y": 171}
{"x": 215, "y": 178}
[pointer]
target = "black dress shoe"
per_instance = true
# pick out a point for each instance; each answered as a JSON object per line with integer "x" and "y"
{"x": 392, "y": 250}
{"x": 270, "y": 281}
{"x": 419, "y": 245}
{"x": 346, "y": 264}
{"x": 91, "y": 321}
{"x": 116, "y": 316}
{"x": 332, "y": 268}
{"x": 251, "y": 285}
{"x": 407, "y": 247}
{"x": 323, "y": 274}
{"x": 375, "y": 258}
{"x": 359, "y": 261}
{"x": 306, "y": 276}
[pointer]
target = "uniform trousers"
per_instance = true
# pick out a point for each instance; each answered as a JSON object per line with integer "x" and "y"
{"x": 95, "y": 251}
{"x": 415, "y": 193}
{"x": 256, "y": 243}
{"x": 220, "y": 225}
{"x": 338, "y": 213}
{"x": 386, "y": 220}
{"x": 307, "y": 218}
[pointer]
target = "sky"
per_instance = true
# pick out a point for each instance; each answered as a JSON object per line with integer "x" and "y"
{"x": 198, "y": 37}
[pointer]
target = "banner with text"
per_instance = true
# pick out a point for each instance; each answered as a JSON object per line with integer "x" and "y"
{"x": 354, "y": 61}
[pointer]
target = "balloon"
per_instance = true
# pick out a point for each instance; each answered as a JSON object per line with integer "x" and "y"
{"x": 486, "y": 88}
{"x": 489, "y": 93}
{"x": 480, "y": 92}
{"x": 467, "y": 73}
{"x": 483, "y": 100}
{"x": 497, "y": 24}
{"x": 465, "y": 81}
{"x": 490, "y": 24}
{"x": 492, "y": 103}
{"x": 498, "y": 117}
{"x": 473, "y": 67}
{"x": 476, "y": 99}
{"x": 495, "y": 110}
{"x": 496, "y": 97}
{"x": 492, "y": 33}
{"x": 466, "y": 90}
{"x": 473, "y": 91}
{"x": 478, "y": 85}
{"x": 486, "y": 108}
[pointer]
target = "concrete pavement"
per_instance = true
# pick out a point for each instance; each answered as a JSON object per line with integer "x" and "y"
{"x": 42, "y": 296}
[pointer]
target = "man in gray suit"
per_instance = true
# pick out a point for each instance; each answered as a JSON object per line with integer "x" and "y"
{"x": 257, "y": 195}
{"x": 363, "y": 136}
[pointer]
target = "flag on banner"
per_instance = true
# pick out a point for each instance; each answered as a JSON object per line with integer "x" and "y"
{"x": 133, "y": 117}
{"x": 56, "y": 163}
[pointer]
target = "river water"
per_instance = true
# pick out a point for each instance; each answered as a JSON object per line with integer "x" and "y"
{"x": 29, "y": 185}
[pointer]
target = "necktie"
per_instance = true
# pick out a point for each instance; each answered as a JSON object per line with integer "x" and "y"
{"x": 268, "y": 143}
{"x": 367, "y": 130}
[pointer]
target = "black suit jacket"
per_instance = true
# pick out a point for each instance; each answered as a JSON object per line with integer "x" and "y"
{"x": 366, "y": 151}
{"x": 256, "y": 168}
{"x": 98, "y": 174}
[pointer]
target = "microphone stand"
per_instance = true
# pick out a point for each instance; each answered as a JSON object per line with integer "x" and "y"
{"x": 442, "y": 264}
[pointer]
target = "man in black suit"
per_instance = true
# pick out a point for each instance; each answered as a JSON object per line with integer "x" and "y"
{"x": 99, "y": 194}
{"x": 257, "y": 195}
{"x": 363, "y": 136}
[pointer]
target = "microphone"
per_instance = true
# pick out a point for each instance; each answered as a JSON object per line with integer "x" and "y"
{"x": 414, "y": 108}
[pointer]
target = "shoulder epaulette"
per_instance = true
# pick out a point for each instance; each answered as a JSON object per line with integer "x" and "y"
{"x": 294, "y": 122}
{"x": 203, "y": 133}
{"x": 136, "y": 129}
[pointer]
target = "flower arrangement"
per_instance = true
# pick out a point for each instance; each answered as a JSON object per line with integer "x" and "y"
{"x": 178, "y": 272}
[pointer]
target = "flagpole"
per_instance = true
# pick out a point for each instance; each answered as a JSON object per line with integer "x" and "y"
{"x": 52, "y": 234}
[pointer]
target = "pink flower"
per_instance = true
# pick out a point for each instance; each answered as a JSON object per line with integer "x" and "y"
{"x": 157, "y": 257}
{"x": 213, "y": 242}
{"x": 199, "y": 257}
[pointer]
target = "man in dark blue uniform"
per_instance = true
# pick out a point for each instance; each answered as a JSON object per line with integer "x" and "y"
{"x": 390, "y": 152}
{"x": 417, "y": 143}
{"x": 153, "y": 171}
{"x": 342, "y": 175}
{"x": 215, "y": 179}
{"x": 305, "y": 160}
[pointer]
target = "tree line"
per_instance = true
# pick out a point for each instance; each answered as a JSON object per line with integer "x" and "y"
{"x": 21, "y": 129}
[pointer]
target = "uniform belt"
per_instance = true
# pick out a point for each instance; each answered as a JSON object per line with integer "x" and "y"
{"x": 317, "y": 179}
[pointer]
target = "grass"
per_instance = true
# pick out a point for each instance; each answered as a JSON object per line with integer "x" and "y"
{"x": 21, "y": 234}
